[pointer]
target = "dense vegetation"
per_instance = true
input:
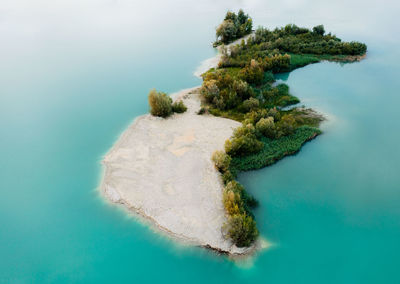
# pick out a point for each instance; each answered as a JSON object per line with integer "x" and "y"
{"x": 243, "y": 88}
{"x": 233, "y": 27}
{"x": 161, "y": 104}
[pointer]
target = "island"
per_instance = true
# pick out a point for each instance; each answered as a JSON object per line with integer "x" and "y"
{"x": 177, "y": 166}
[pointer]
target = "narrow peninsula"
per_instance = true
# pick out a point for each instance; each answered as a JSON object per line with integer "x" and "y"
{"x": 177, "y": 166}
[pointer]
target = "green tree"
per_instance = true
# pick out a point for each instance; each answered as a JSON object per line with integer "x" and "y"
{"x": 242, "y": 229}
{"x": 319, "y": 30}
{"x": 226, "y": 31}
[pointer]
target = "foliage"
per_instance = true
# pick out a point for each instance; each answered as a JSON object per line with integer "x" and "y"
{"x": 179, "y": 107}
{"x": 251, "y": 104}
{"x": 242, "y": 229}
{"x": 243, "y": 142}
{"x": 266, "y": 127}
{"x": 233, "y": 27}
{"x": 221, "y": 160}
{"x": 319, "y": 30}
{"x": 201, "y": 111}
{"x": 274, "y": 150}
{"x": 160, "y": 103}
{"x": 253, "y": 73}
{"x": 242, "y": 88}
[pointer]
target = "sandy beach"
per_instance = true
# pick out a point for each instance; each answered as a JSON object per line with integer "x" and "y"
{"x": 162, "y": 170}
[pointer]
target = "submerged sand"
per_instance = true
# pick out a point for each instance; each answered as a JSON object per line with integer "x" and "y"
{"x": 162, "y": 169}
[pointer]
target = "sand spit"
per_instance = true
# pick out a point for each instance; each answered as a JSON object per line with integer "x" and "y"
{"x": 162, "y": 170}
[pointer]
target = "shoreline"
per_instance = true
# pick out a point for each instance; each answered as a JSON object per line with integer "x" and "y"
{"x": 176, "y": 213}
{"x": 116, "y": 183}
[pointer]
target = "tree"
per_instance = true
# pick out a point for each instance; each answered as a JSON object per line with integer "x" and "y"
{"x": 226, "y": 31}
{"x": 319, "y": 30}
{"x": 242, "y": 17}
{"x": 160, "y": 103}
{"x": 242, "y": 229}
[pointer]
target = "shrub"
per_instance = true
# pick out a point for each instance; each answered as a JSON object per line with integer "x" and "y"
{"x": 242, "y": 229}
{"x": 251, "y": 104}
{"x": 266, "y": 126}
{"x": 274, "y": 113}
{"x": 160, "y": 103}
{"x": 221, "y": 160}
{"x": 232, "y": 203}
{"x": 210, "y": 90}
{"x": 179, "y": 107}
{"x": 319, "y": 30}
{"x": 227, "y": 177}
{"x": 252, "y": 73}
{"x": 254, "y": 116}
{"x": 286, "y": 126}
{"x": 243, "y": 142}
{"x": 201, "y": 111}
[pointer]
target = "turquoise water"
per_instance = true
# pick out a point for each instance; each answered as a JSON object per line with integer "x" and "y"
{"x": 74, "y": 74}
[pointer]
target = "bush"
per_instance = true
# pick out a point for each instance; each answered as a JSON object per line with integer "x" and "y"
{"x": 232, "y": 203}
{"x": 210, "y": 90}
{"x": 286, "y": 126}
{"x": 227, "y": 177}
{"x": 253, "y": 73}
{"x": 243, "y": 142}
{"x": 251, "y": 104}
{"x": 319, "y": 30}
{"x": 179, "y": 107}
{"x": 221, "y": 160}
{"x": 201, "y": 111}
{"x": 266, "y": 127}
{"x": 160, "y": 103}
{"x": 254, "y": 116}
{"x": 242, "y": 229}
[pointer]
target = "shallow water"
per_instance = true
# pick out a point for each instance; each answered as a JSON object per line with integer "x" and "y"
{"x": 74, "y": 74}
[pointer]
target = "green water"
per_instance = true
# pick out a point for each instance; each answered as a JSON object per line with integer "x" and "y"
{"x": 74, "y": 74}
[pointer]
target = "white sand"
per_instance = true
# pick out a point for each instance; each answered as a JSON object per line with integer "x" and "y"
{"x": 162, "y": 169}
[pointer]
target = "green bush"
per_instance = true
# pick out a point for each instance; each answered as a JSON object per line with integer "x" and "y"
{"x": 210, "y": 90}
{"x": 160, "y": 103}
{"x": 243, "y": 142}
{"x": 253, "y": 73}
{"x": 201, "y": 111}
{"x": 179, "y": 107}
{"x": 221, "y": 160}
{"x": 286, "y": 126}
{"x": 266, "y": 127}
{"x": 233, "y": 204}
{"x": 255, "y": 115}
{"x": 227, "y": 176}
{"x": 251, "y": 104}
{"x": 242, "y": 229}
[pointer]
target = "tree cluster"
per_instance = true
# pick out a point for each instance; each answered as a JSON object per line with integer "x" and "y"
{"x": 233, "y": 27}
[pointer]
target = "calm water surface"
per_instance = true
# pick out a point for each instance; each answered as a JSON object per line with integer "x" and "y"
{"x": 74, "y": 74}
